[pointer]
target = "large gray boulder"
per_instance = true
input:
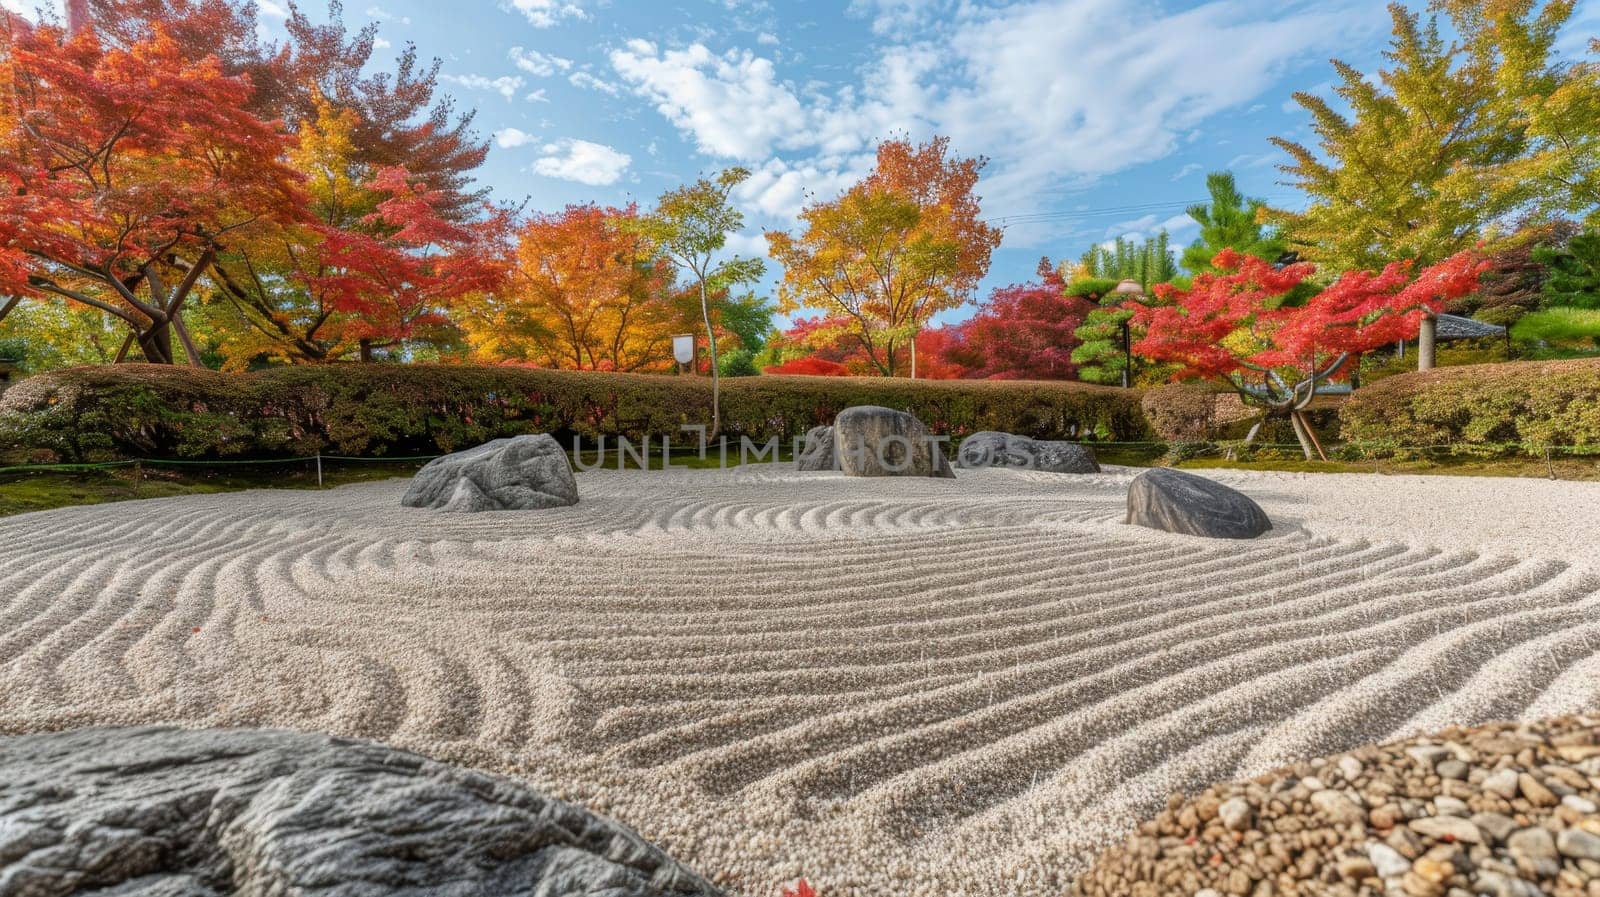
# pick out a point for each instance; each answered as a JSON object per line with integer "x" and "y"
{"x": 161, "y": 812}
{"x": 816, "y": 452}
{"x": 1166, "y": 499}
{"x": 990, "y": 449}
{"x": 872, "y": 441}
{"x": 519, "y": 473}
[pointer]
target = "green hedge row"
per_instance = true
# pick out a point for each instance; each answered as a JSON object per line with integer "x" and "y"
{"x": 106, "y": 412}
{"x": 1514, "y": 408}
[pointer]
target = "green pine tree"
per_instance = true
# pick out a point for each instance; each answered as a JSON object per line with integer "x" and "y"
{"x": 1572, "y": 272}
{"x": 1230, "y": 221}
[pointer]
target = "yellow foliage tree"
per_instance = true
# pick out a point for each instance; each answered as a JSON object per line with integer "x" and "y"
{"x": 1453, "y": 139}
{"x": 900, "y": 246}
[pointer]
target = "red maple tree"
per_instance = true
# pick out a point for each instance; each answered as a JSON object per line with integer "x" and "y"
{"x": 1023, "y": 332}
{"x": 400, "y": 275}
{"x": 1234, "y": 326}
{"x": 126, "y": 169}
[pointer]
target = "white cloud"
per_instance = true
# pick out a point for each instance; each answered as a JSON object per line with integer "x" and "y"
{"x": 379, "y": 43}
{"x": 781, "y": 189}
{"x": 538, "y": 64}
{"x": 767, "y": 39}
{"x": 1247, "y": 161}
{"x": 545, "y": 13}
{"x": 505, "y": 85}
{"x": 732, "y": 104}
{"x": 594, "y": 164}
{"x": 747, "y": 245}
{"x": 507, "y": 138}
{"x": 537, "y": 96}
{"x": 584, "y": 79}
{"x": 1187, "y": 170}
{"x": 895, "y": 16}
{"x": 272, "y": 8}
{"x": 1058, "y": 92}
{"x": 383, "y": 15}
{"x": 28, "y": 8}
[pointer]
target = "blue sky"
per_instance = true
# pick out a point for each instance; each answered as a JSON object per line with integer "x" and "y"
{"x": 1100, "y": 117}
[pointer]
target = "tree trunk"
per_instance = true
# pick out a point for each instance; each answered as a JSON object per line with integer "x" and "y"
{"x": 913, "y": 356}
{"x": 366, "y": 350}
{"x": 1425, "y": 342}
{"x": 10, "y": 304}
{"x": 156, "y": 343}
{"x": 716, "y": 382}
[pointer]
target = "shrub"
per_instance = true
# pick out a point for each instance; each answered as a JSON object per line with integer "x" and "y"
{"x": 1181, "y": 412}
{"x": 157, "y": 411}
{"x": 738, "y": 363}
{"x": 1523, "y": 407}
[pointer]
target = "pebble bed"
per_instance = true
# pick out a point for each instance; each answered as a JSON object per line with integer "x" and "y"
{"x": 1505, "y": 809}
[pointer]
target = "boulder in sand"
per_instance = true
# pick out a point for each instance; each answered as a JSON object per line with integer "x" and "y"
{"x": 180, "y": 813}
{"x": 872, "y": 441}
{"x": 519, "y": 473}
{"x": 991, "y": 449}
{"x": 1166, "y": 499}
{"x": 816, "y": 452}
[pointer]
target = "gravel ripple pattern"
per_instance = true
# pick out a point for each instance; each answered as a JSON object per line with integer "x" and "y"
{"x": 917, "y": 687}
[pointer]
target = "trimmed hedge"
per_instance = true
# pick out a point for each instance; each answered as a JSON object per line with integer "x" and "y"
{"x": 1505, "y": 409}
{"x": 158, "y": 411}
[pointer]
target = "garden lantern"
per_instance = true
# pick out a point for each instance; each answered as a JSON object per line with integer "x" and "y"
{"x": 1128, "y": 289}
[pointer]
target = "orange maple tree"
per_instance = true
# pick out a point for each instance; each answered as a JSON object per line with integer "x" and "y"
{"x": 586, "y": 291}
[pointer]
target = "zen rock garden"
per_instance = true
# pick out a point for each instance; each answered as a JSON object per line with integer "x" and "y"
{"x": 532, "y": 472}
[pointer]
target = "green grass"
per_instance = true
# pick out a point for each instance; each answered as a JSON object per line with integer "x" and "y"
{"x": 41, "y": 491}
{"x": 21, "y": 492}
{"x": 24, "y": 491}
{"x": 1559, "y": 325}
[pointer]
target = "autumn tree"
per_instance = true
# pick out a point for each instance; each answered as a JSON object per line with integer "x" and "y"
{"x": 1021, "y": 332}
{"x": 587, "y": 291}
{"x": 1449, "y": 140}
{"x": 399, "y": 116}
{"x": 1233, "y": 327}
{"x": 130, "y": 168}
{"x": 1230, "y": 221}
{"x": 895, "y": 249}
{"x": 403, "y": 272}
{"x": 690, "y": 226}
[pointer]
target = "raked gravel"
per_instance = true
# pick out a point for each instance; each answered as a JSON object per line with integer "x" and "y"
{"x": 897, "y": 686}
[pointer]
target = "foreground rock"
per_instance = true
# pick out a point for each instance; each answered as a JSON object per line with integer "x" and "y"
{"x": 991, "y": 449}
{"x": 816, "y": 453}
{"x": 170, "y": 812}
{"x": 1166, "y": 499}
{"x": 1502, "y": 809}
{"x": 872, "y": 441}
{"x": 520, "y": 473}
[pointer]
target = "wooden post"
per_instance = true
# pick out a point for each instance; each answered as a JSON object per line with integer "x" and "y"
{"x": 1300, "y": 433}
{"x": 1426, "y": 339}
{"x": 319, "y": 468}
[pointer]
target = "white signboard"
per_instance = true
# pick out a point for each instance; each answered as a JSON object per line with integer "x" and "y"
{"x": 683, "y": 348}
